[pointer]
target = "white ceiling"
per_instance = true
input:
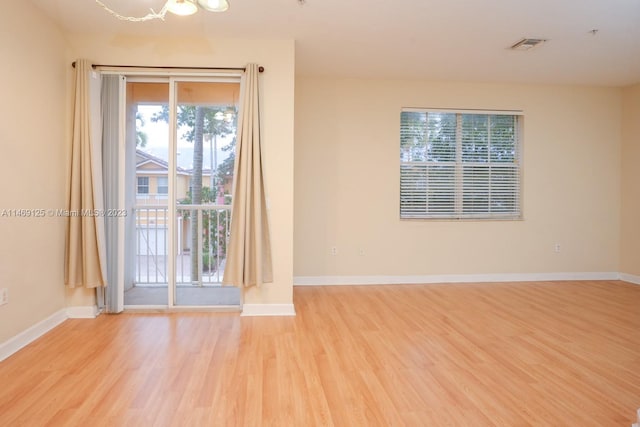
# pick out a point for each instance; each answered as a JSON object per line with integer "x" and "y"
{"x": 461, "y": 40}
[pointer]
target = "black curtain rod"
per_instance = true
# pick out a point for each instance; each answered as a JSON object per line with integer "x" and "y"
{"x": 260, "y": 69}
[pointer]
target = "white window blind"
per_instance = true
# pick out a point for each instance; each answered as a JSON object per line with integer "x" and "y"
{"x": 459, "y": 164}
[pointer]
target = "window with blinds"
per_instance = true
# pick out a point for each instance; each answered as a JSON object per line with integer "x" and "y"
{"x": 460, "y": 164}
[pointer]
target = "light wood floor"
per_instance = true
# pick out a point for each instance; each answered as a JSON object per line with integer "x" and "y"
{"x": 518, "y": 354}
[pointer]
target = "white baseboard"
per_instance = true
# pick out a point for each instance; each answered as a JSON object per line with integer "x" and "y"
{"x": 268, "y": 310}
{"x": 82, "y": 312}
{"x": 630, "y": 278}
{"x": 31, "y": 334}
{"x": 450, "y": 278}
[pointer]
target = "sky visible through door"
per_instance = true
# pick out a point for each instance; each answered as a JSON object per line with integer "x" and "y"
{"x": 158, "y": 140}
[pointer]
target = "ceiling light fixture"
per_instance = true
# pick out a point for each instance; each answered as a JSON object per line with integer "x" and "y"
{"x": 177, "y": 7}
{"x": 214, "y": 5}
{"x": 182, "y": 7}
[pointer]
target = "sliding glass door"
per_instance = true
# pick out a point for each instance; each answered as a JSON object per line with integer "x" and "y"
{"x": 181, "y": 135}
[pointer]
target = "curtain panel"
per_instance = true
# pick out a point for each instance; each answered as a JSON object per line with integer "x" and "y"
{"x": 85, "y": 251}
{"x": 249, "y": 260}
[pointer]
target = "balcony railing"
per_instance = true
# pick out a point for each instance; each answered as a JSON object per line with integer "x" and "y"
{"x": 152, "y": 244}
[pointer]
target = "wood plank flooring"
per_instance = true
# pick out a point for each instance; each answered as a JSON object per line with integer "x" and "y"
{"x": 509, "y": 354}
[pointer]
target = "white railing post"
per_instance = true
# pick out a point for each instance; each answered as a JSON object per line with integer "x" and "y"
{"x": 151, "y": 226}
{"x": 199, "y": 260}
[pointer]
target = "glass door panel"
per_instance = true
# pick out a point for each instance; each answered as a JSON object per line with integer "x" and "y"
{"x": 147, "y": 153}
{"x": 205, "y": 122}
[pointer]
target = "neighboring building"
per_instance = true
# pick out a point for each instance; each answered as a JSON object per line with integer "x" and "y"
{"x": 152, "y": 180}
{"x": 152, "y": 191}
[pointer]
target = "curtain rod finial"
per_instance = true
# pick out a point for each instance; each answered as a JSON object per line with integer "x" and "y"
{"x": 73, "y": 64}
{"x": 261, "y": 69}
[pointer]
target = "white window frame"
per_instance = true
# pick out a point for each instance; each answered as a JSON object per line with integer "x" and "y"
{"x": 165, "y": 185}
{"x": 454, "y": 185}
{"x": 147, "y": 185}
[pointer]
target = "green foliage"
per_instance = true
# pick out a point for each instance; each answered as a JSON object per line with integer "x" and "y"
{"x": 211, "y": 126}
{"x": 196, "y": 122}
{"x": 215, "y": 226}
{"x": 413, "y": 136}
{"x": 488, "y": 138}
{"x": 215, "y": 223}
{"x": 225, "y": 169}
{"x": 431, "y": 137}
{"x": 141, "y": 137}
{"x": 428, "y": 137}
{"x": 186, "y": 117}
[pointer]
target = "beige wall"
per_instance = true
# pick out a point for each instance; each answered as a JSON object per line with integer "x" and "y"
{"x": 347, "y": 182}
{"x": 630, "y": 254}
{"x": 33, "y": 115}
{"x": 278, "y": 96}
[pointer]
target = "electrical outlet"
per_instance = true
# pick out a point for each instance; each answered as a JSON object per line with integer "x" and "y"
{"x": 334, "y": 250}
{"x": 556, "y": 248}
{"x": 361, "y": 252}
{"x": 4, "y": 296}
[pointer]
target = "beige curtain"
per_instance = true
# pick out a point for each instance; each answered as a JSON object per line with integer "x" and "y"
{"x": 249, "y": 252}
{"x": 84, "y": 255}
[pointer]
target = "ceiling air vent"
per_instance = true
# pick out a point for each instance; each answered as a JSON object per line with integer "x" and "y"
{"x": 527, "y": 44}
